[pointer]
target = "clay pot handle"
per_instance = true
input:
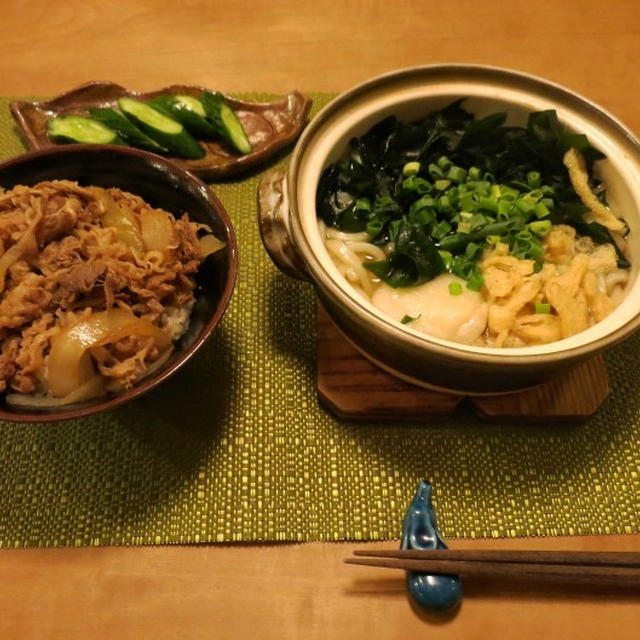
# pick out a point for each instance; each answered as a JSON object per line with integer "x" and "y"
{"x": 273, "y": 222}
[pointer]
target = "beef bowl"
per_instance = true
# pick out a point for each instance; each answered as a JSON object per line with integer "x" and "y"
{"x": 116, "y": 266}
{"x": 467, "y": 228}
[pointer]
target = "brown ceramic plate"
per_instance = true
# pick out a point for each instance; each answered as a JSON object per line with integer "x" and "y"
{"x": 269, "y": 126}
{"x": 162, "y": 184}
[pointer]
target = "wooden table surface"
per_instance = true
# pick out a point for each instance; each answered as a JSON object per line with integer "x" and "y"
{"x": 301, "y": 591}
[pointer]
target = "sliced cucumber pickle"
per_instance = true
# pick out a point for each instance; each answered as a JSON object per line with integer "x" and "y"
{"x": 166, "y": 131}
{"x": 74, "y": 128}
{"x": 188, "y": 111}
{"x": 191, "y": 103}
{"x": 125, "y": 128}
{"x": 225, "y": 121}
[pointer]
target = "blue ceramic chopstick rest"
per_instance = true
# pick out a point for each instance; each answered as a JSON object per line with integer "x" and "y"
{"x": 419, "y": 532}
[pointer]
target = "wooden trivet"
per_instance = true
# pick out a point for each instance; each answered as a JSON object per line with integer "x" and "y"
{"x": 353, "y": 388}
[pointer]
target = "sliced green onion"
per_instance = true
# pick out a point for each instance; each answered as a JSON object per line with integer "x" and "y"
{"x": 408, "y": 319}
{"x": 525, "y": 205}
{"x": 441, "y": 230}
{"x": 479, "y": 185}
{"x": 533, "y": 179}
{"x": 464, "y": 227}
{"x": 435, "y": 171}
{"x": 374, "y": 227}
{"x": 444, "y": 204}
{"x": 457, "y": 174}
{"x": 475, "y": 282}
{"x": 527, "y": 246}
{"x": 454, "y": 242}
{"x": 543, "y": 307}
{"x": 478, "y": 220}
{"x": 453, "y": 194}
{"x": 441, "y": 185}
{"x": 517, "y": 221}
{"x": 383, "y": 204}
{"x": 444, "y": 163}
{"x": 425, "y": 216}
{"x": 508, "y": 193}
{"x": 541, "y": 211}
{"x": 455, "y": 288}
{"x": 463, "y": 267}
{"x": 447, "y": 259}
{"x": 488, "y": 203}
{"x": 498, "y": 228}
{"x": 520, "y": 187}
{"x": 417, "y": 184}
{"x": 467, "y": 202}
{"x": 504, "y": 209}
{"x": 474, "y": 173}
{"x": 472, "y": 249}
{"x": 410, "y": 169}
{"x": 536, "y": 251}
{"x": 541, "y": 227}
{"x": 421, "y": 203}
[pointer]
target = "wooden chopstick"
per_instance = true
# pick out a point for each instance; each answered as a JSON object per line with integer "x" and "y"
{"x": 568, "y": 571}
{"x": 591, "y": 558}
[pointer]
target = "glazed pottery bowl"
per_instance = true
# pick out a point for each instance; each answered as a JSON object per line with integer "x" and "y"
{"x": 290, "y": 231}
{"x": 162, "y": 184}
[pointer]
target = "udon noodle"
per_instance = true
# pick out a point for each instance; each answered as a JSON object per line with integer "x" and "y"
{"x": 95, "y": 287}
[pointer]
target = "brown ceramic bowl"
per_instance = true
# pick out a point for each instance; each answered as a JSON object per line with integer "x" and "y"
{"x": 290, "y": 230}
{"x": 161, "y": 183}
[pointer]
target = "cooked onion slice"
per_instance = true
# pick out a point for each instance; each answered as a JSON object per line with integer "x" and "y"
{"x": 70, "y": 364}
{"x": 157, "y": 230}
{"x": 92, "y": 388}
{"x": 209, "y": 244}
{"x": 121, "y": 219}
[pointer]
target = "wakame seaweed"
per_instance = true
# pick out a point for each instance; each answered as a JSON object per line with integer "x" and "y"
{"x": 441, "y": 187}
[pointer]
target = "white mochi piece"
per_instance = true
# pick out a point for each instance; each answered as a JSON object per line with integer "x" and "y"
{"x": 460, "y": 318}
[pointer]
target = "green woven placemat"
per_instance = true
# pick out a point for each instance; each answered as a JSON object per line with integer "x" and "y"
{"x": 235, "y": 447}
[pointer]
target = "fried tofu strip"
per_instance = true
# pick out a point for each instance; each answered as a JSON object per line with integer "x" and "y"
{"x": 574, "y": 161}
